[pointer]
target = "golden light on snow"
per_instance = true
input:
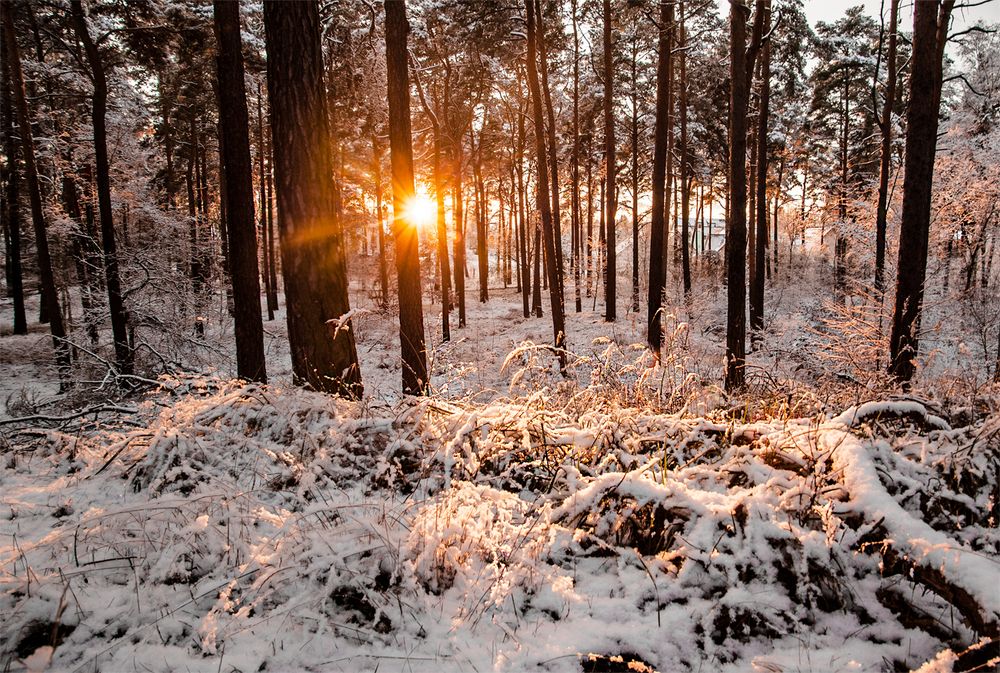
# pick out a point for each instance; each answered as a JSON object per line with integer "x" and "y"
{"x": 421, "y": 211}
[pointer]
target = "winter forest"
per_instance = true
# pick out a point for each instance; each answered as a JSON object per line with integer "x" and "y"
{"x": 500, "y": 335}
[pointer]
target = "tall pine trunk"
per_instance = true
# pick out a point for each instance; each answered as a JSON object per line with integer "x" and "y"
{"x": 542, "y": 191}
{"x": 885, "y": 163}
{"x": 930, "y": 28}
{"x": 610, "y": 303}
{"x": 99, "y": 103}
{"x": 241, "y": 230}
{"x": 657, "y": 267}
{"x": 760, "y": 239}
{"x": 50, "y": 296}
{"x": 12, "y": 199}
{"x": 411, "y": 313}
{"x": 313, "y": 262}
{"x": 685, "y": 158}
{"x": 740, "y": 70}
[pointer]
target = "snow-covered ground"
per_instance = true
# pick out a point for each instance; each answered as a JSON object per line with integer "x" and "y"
{"x": 213, "y": 525}
{"x": 622, "y": 516}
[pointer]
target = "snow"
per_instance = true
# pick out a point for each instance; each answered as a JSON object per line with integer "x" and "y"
{"x": 233, "y": 526}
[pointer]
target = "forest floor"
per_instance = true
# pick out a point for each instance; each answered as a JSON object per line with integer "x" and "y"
{"x": 627, "y": 516}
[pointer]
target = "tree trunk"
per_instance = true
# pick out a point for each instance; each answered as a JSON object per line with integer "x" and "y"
{"x": 885, "y": 125}
{"x": 635, "y": 175}
{"x": 116, "y": 305}
{"x": 553, "y": 147}
{"x": 930, "y": 27}
{"x": 610, "y": 308}
{"x": 458, "y": 199}
{"x": 482, "y": 247}
{"x": 760, "y": 240}
{"x": 50, "y": 296}
{"x": 442, "y": 229}
{"x": 12, "y": 198}
{"x": 575, "y": 196}
{"x": 238, "y": 168}
{"x": 657, "y": 268}
{"x": 522, "y": 224}
{"x": 685, "y": 159}
{"x": 272, "y": 257}
{"x": 313, "y": 263}
{"x": 542, "y": 192}
{"x": 264, "y": 206}
{"x": 383, "y": 267}
{"x": 741, "y": 67}
{"x": 411, "y": 317}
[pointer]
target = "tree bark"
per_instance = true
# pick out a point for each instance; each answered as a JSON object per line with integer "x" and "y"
{"x": 657, "y": 268}
{"x": 685, "y": 159}
{"x": 241, "y": 229}
{"x": 610, "y": 303}
{"x": 313, "y": 263}
{"x": 50, "y": 296}
{"x": 760, "y": 240}
{"x": 264, "y": 207}
{"x": 741, "y": 67}
{"x": 383, "y": 267}
{"x": 575, "y": 195}
{"x": 930, "y": 27}
{"x": 885, "y": 125}
{"x": 12, "y": 198}
{"x": 116, "y": 305}
{"x": 411, "y": 314}
{"x": 553, "y": 148}
{"x": 442, "y": 228}
{"x": 542, "y": 192}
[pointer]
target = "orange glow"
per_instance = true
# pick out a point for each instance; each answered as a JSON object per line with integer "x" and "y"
{"x": 421, "y": 211}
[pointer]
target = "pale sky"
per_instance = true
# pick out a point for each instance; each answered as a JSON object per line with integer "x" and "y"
{"x": 831, "y": 10}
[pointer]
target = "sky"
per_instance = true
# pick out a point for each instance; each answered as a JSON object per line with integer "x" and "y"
{"x": 831, "y": 10}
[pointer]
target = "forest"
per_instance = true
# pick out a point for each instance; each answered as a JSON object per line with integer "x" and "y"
{"x": 500, "y": 335}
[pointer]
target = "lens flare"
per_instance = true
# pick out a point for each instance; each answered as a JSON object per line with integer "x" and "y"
{"x": 421, "y": 211}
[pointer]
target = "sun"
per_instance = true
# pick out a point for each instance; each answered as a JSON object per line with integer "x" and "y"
{"x": 421, "y": 211}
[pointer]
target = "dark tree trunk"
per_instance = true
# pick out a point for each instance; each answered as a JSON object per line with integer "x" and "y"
{"x": 458, "y": 199}
{"x": 241, "y": 228}
{"x": 575, "y": 196}
{"x": 50, "y": 296}
{"x": 116, "y": 305}
{"x": 885, "y": 125}
{"x": 930, "y": 27}
{"x": 685, "y": 159}
{"x": 741, "y": 67}
{"x": 411, "y": 312}
{"x": 313, "y": 262}
{"x": 442, "y": 228}
{"x": 590, "y": 211}
{"x": 383, "y": 266}
{"x": 522, "y": 225}
{"x": 272, "y": 257}
{"x": 610, "y": 308}
{"x": 12, "y": 199}
{"x": 261, "y": 156}
{"x": 657, "y": 268}
{"x": 635, "y": 176}
{"x": 553, "y": 148}
{"x": 542, "y": 193}
{"x": 760, "y": 240}
{"x": 482, "y": 247}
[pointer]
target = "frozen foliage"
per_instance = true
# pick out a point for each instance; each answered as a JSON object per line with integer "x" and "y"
{"x": 224, "y": 526}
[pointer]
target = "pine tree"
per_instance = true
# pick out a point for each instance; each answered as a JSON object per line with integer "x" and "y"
{"x": 411, "y": 312}
{"x": 313, "y": 265}
{"x": 240, "y": 225}
{"x": 930, "y": 33}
